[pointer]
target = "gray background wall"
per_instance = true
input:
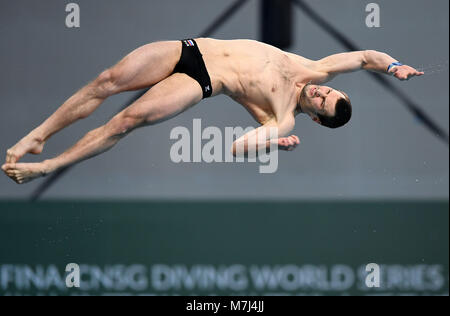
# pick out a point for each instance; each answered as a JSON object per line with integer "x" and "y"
{"x": 382, "y": 153}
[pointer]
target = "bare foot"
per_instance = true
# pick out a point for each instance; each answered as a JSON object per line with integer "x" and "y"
{"x": 24, "y": 172}
{"x": 28, "y": 144}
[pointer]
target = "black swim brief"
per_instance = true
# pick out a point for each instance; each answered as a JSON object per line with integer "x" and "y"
{"x": 191, "y": 63}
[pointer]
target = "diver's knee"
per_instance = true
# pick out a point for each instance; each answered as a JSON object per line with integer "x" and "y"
{"x": 107, "y": 83}
{"x": 125, "y": 123}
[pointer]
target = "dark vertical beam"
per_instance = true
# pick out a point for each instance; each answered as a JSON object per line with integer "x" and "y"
{"x": 276, "y": 23}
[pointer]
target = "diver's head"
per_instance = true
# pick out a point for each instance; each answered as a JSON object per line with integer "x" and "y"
{"x": 326, "y": 106}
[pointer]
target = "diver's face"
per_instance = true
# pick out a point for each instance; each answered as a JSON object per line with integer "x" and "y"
{"x": 320, "y": 99}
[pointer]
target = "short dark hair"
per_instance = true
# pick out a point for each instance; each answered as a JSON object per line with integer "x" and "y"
{"x": 341, "y": 117}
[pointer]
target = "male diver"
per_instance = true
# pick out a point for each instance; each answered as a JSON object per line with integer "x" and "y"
{"x": 273, "y": 85}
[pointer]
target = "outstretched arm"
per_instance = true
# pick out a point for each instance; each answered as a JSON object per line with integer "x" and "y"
{"x": 364, "y": 60}
{"x": 272, "y": 133}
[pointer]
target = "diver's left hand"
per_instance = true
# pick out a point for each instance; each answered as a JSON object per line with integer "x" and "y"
{"x": 405, "y": 72}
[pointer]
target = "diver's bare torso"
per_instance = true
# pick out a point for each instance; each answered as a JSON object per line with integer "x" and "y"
{"x": 259, "y": 76}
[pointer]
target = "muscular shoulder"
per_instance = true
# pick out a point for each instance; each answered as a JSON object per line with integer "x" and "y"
{"x": 305, "y": 62}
